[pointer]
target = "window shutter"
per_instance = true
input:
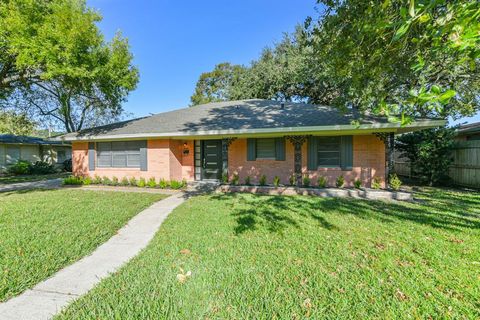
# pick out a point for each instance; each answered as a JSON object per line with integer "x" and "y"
{"x": 312, "y": 153}
{"x": 91, "y": 156}
{"x": 143, "y": 156}
{"x": 280, "y": 149}
{"x": 251, "y": 150}
{"x": 346, "y": 153}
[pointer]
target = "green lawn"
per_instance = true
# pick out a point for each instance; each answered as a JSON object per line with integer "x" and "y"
{"x": 43, "y": 231}
{"x": 265, "y": 257}
{"x": 32, "y": 177}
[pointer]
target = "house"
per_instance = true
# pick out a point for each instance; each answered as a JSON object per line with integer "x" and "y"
{"x": 33, "y": 149}
{"x": 245, "y": 138}
{"x": 469, "y": 132}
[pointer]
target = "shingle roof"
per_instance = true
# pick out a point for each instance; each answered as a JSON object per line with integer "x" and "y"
{"x": 14, "y": 139}
{"x": 469, "y": 128}
{"x": 227, "y": 116}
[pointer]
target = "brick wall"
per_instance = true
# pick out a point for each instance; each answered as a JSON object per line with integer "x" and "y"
{"x": 368, "y": 162}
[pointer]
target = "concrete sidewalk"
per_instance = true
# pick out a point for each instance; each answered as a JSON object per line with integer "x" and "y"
{"x": 43, "y": 184}
{"x": 48, "y": 297}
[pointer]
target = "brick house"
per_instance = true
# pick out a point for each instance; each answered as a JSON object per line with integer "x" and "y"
{"x": 248, "y": 138}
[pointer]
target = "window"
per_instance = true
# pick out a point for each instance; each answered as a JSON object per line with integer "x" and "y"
{"x": 61, "y": 156}
{"x": 328, "y": 151}
{"x": 265, "y": 149}
{"x": 12, "y": 154}
{"x": 118, "y": 154}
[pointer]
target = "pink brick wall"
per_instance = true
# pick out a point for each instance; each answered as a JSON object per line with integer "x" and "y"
{"x": 165, "y": 160}
{"x": 368, "y": 162}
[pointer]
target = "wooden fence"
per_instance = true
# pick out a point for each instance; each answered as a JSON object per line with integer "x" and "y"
{"x": 465, "y": 169}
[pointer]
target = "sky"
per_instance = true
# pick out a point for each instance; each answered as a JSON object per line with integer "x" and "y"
{"x": 173, "y": 42}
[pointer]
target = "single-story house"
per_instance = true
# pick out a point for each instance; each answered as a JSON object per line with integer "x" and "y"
{"x": 469, "y": 132}
{"x": 245, "y": 138}
{"x": 33, "y": 149}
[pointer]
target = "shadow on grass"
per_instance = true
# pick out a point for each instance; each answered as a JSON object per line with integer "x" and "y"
{"x": 449, "y": 211}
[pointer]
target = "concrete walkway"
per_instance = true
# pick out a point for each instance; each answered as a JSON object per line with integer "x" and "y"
{"x": 50, "y": 296}
{"x": 43, "y": 184}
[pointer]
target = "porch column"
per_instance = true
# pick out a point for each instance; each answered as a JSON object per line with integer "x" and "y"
{"x": 297, "y": 142}
{"x": 226, "y": 142}
{"x": 388, "y": 139}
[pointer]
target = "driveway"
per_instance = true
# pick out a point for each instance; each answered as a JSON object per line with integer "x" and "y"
{"x": 44, "y": 184}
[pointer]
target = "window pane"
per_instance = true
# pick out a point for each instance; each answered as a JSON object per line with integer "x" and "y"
{"x": 13, "y": 154}
{"x": 329, "y": 151}
{"x": 119, "y": 159}
{"x": 103, "y": 146}
{"x": 133, "y": 160}
{"x": 265, "y": 148}
{"x": 104, "y": 160}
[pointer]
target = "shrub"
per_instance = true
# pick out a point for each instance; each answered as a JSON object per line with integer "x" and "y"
{"x": 376, "y": 183}
{"x": 224, "y": 178}
{"x": 306, "y": 181}
{"x": 133, "y": 181}
{"x": 357, "y": 183}
{"x": 141, "y": 183}
{"x": 124, "y": 182}
{"x": 114, "y": 181}
{"x": 106, "y": 181}
{"x": 20, "y": 167}
{"x": 72, "y": 180}
{"x": 163, "y": 183}
{"x": 395, "y": 182}
{"x": 97, "y": 180}
{"x": 175, "y": 184}
{"x": 340, "y": 181}
{"x": 87, "y": 181}
{"x": 247, "y": 180}
{"x": 263, "y": 180}
{"x": 235, "y": 179}
{"x": 276, "y": 181}
{"x": 41, "y": 167}
{"x": 291, "y": 180}
{"x": 322, "y": 182}
{"x": 151, "y": 183}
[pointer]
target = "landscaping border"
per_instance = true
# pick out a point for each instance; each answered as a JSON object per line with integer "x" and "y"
{"x": 370, "y": 194}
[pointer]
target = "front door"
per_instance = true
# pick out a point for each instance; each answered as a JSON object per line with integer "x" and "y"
{"x": 211, "y": 159}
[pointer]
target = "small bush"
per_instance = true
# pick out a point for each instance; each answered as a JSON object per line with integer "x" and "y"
{"x": 340, "y": 181}
{"x": 41, "y": 167}
{"x": 322, "y": 182}
{"x": 376, "y": 183}
{"x": 263, "y": 180}
{"x": 132, "y": 181}
{"x": 395, "y": 182}
{"x": 124, "y": 182}
{"x": 72, "y": 180}
{"x": 114, "y": 181}
{"x": 175, "y": 184}
{"x": 151, "y": 183}
{"x": 247, "y": 180}
{"x": 87, "y": 181}
{"x": 235, "y": 179}
{"x": 97, "y": 180}
{"x": 224, "y": 178}
{"x": 20, "y": 167}
{"x": 306, "y": 181}
{"x": 141, "y": 183}
{"x": 276, "y": 181}
{"x": 357, "y": 184}
{"x": 291, "y": 180}
{"x": 163, "y": 183}
{"x": 106, "y": 181}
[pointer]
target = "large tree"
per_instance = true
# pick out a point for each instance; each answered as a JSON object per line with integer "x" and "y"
{"x": 15, "y": 123}
{"x": 73, "y": 76}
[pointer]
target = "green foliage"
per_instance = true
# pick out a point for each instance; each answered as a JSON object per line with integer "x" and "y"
{"x": 224, "y": 178}
{"x": 175, "y": 184}
{"x": 106, "y": 181}
{"x": 97, "y": 180}
{"x": 41, "y": 167}
{"x": 133, "y": 181}
{"x": 340, "y": 181}
{"x": 292, "y": 180}
{"x": 429, "y": 152}
{"x": 20, "y": 167}
{"x": 73, "y": 180}
{"x": 306, "y": 181}
{"x": 357, "y": 184}
{"x": 235, "y": 179}
{"x": 15, "y": 123}
{"x": 376, "y": 183}
{"x": 276, "y": 181}
{"x": 87, "y": 181}
{"x": 247, "y": 181}
{"x": 124, "y": 182}
{"x": 162, "y": 184}
{"x": 114, "y": 181}
{"x": 263, "y": 180}
{"x": 395, "y": 182}
{"x": 151, "y": 183}
{"x": 141, "y": 182}
{"x": 322, "y": 182}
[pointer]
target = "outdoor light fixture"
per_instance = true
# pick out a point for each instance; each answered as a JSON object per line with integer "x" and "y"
{"x": 186, "y": 150}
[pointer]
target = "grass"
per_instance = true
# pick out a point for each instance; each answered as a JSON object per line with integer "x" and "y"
{"x": 43, "y": 231}
{"x": 267, "y": 257}
{"x": 31, "y": 177}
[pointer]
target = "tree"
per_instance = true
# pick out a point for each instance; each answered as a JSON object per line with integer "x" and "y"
{"x": 77, "y": 76}
{"x": 18, "y": 124}
{"x": 429, "y": 152}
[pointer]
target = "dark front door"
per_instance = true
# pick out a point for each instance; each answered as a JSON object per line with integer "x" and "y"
{"x": 211, "y": 159}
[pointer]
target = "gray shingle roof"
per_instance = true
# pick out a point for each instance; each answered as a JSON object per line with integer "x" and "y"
{"x": 14, "y": 139}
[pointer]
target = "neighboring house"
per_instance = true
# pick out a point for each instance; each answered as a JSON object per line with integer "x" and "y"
{"x": 33, "y": 149}
{"x": 248, "y": 138}
{"x": 469, "y": 132}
